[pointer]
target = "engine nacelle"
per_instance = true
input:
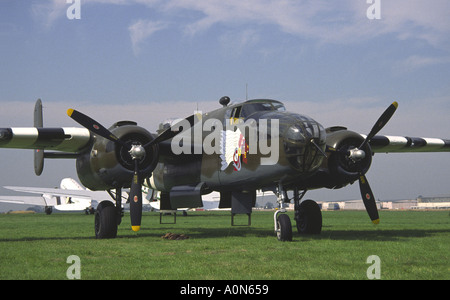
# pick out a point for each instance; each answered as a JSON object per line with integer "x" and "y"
{"x": 107, "y": 165}
{"x": 342, "y": 168}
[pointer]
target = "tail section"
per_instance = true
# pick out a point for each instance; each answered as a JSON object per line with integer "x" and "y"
{"x": 71, "y": 184}
{"x": 66, "y": 142}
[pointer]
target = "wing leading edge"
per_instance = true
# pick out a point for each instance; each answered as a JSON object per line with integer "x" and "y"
{"x": 86, "y": 194}
{"x": 392, "y": 144}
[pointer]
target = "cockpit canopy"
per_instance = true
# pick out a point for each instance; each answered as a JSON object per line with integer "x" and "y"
{"x": 253, "y": 106}
{"x": 248, "y": 108}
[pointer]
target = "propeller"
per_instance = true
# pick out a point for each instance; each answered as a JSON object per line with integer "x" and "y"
{"x": 136, "y": 152}
{"x": 356, "y": 155}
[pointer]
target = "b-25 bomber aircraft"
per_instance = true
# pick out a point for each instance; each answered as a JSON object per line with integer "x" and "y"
{"x": 235, "y": 150}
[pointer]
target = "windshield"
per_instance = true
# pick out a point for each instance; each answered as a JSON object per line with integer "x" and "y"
{"x": 250, "y": 108}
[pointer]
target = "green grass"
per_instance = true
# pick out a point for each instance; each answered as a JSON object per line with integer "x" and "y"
{"x": 410, "y": 244}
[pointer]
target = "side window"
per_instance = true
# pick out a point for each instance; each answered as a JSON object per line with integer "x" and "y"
{"x": 235, "y": 115}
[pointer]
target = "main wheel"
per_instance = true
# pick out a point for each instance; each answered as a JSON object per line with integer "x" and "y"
{"x": 105, "y": 221}
{"x": 284, "y": 232}
{"x": 309, "y": 218}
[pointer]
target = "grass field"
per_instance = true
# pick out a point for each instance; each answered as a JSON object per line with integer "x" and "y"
{"x": 410, "y": 245}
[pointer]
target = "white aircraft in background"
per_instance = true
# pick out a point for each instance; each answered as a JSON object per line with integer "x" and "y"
{"x": 71, "y": 196}
{"x": 151, "y": 197}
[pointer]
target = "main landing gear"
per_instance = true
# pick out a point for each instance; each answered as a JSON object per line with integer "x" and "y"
{"x": 108, "y": 217}
{"x": 307, "y": 216}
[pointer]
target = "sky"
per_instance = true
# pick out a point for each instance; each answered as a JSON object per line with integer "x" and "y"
{"x": 339, "y": 62}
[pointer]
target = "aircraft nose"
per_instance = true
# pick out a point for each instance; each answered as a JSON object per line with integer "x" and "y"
{"x": 304, "y": 140}
{"x": 294, "y": 134}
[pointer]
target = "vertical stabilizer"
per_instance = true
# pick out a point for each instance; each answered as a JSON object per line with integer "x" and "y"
{"x": 71, "y": 184}
{"x": 38, "y": 153}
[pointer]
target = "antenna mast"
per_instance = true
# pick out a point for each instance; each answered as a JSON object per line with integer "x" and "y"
{"x": 246, "y": 91}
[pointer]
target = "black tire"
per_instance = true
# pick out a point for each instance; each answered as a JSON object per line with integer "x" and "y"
{"x": 309, "y": 218}
{"x": 284, "y": 233}
{"x": 105, "y": 221}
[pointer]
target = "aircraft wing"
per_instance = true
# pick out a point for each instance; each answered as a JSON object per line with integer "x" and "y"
{"x": 23, "y": 200}
{"x": 90, "y": 195}
{"x": 68, "y": 139}
{"x": 392, "y": 144}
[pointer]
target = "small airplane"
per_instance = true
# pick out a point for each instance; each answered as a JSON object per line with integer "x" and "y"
{"x": 235, "y": 150}
{"x": 71, "y": 196}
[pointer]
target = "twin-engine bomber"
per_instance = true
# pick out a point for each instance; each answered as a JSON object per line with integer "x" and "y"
{"x": 235, "y": 150}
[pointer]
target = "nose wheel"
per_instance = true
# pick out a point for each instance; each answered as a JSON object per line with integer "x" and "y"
{"x": 307, "y": 216}
{"x": 282, "y": 222}
{"x": 283, "y": 226}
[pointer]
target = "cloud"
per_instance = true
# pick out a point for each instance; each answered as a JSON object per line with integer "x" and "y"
{"x": 421, "y": 117}
{"x": 414, "y": 62}
{"x": 293, "y": 17}
{"x": 141, "y": 30}
{"x": 148, "y": 115}
{"x": 417, "y": 19}
{"x": 48, "y": 12}
{"x": 237, "y": 41}
{"x": 337, "y": 21}
{"x": 342, "y": 22}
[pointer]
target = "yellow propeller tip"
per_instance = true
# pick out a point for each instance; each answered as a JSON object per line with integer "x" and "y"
{"x": 135, "y": 228}
{"x": 69, "y": 112}
{"x": 376, "y": 222}
{"x": 395, "y": 104}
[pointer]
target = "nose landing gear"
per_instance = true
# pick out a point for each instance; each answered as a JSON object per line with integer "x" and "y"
{"x": 308, "y": 216}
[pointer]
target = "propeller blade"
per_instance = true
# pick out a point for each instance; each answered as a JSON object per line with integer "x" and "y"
{"x": 368, "y": 199}
{"x": 169, "y": 133}
{"x": 93, "y": 126}
{"x": 384, "y": 118}
{"x": 136, "y": 200}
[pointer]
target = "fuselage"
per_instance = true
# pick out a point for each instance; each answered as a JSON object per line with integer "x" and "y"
{"x": 248, "y": 146}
